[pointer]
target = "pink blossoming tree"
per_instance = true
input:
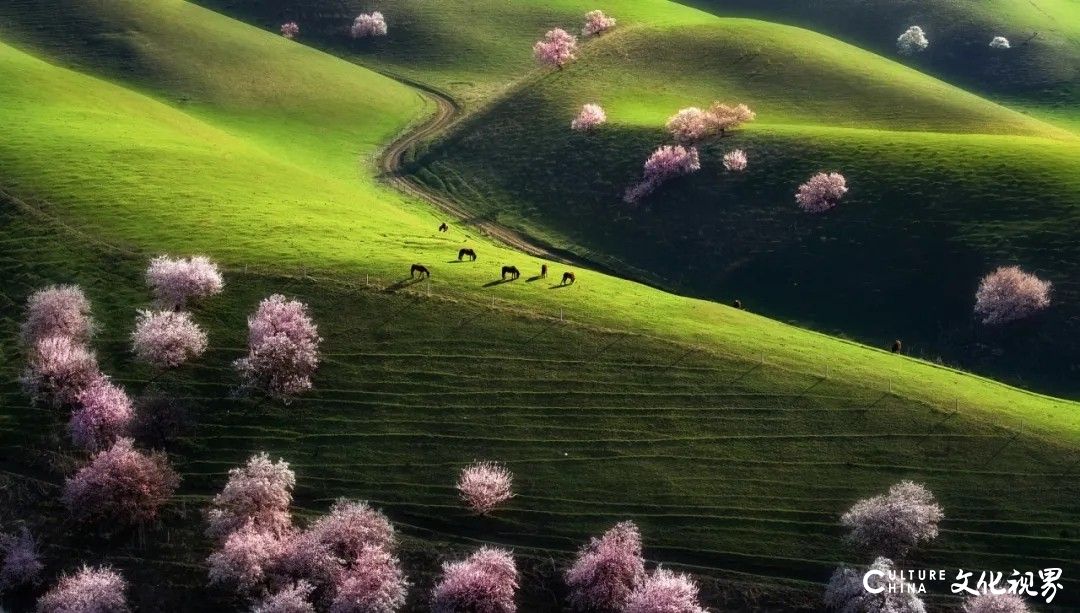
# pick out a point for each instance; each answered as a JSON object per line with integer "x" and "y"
{"x": 590, "y": 117}
{"x": 735, "y": 161}
{"x": 283, "y": 348}
{"x": 244, "y": 560}
{"x": 596, "y": 22}
{"x": 995, "y": 603}
{"x": 59, "y": 370}
{"x": 290, "y": 30}
{"x": 821, "y": 192}
{"x": 167, "y": 339}
{"x": 176, "y": 282}
{"x": 90, "y": 590}
{"x": 373, "y": 583}
{"x": 664, "y": 164}
{"x": 104, "y": 414}
{"x": 293, "y": 598}
{"x": 665, "y": 591}
{"x": 485, "y": 581}
{"x": 912, "y": 41}
{"x": 724, "y": 117}
{"x": 258, "y": 493}
{"x": 689, "y": 125}
{"x": 368, "y": 25}
{"x": 485, "y": 485}
{"x": 121, "y": 484}
{"x": 1009, "y": 294}
{"x": 57, "y": 311}
{"x": 21, "y": 560}
{"x": 845, "y": 592}
{"x": 607, "y": 570}
{"x": 892, "y": 524}
{"x": 557, "y": 48}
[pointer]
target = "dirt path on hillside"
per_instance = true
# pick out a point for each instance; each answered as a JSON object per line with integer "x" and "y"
{"x": 391, "y": 162}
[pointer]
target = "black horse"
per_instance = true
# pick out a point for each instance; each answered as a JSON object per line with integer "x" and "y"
{"x": 543, "y": 271}
{"x": 568, "y": 278}
{"x": 737, "y": 304}
{"x": 512, "y": 271}
{"x": 443, "y": 227}
{"x": 421, "y": 269}
{"x": 461, "y": 254}
{"x": 897, "y": 346}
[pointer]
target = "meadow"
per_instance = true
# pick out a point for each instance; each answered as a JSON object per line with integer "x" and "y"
{"x": 734, "y": 440}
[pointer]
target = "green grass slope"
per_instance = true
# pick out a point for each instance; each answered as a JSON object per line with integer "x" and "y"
{"x": 726, "y": 440}
{"x": 1041, "y": 71}
{"x": 945, "y": 186}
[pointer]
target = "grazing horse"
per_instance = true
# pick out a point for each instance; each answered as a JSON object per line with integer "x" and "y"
{"x": 897, "y": 346}
{"x": 419, "y": 268}
{"x": 737, "y": 304}
{"x": 543, "y": 271}
{"x": 568, "y": 277}
{"x": 512, "y": 271}
{"x": 443, "y": 227}
{"x": 466, "y": 252}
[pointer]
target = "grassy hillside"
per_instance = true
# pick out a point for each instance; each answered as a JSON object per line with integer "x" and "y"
{"x": 734, "y": 440}
{"x": 939, "y": 197}
{"x": 1040, "y": 71}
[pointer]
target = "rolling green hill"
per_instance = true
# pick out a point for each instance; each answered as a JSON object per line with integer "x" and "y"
{"x": 1041, "y": 71}
{"x": 733, "y": 439}
{"x": 939, "y": 196}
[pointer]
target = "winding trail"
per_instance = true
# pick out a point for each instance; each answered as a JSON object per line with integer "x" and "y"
{"x": 391, "y": 162}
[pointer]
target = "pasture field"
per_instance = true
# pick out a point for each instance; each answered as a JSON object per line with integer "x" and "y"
{"x": 135, "y": 128}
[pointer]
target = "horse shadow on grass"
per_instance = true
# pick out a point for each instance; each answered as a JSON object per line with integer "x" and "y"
{"x": 497, "y": 282}
{"x": 533, "y": 278}
{"x": 402, "y": 284}
{"x": 560, "y": 285}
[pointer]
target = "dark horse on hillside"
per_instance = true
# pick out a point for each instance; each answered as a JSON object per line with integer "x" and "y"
{"x": 421, "y": 269}
{"x": 443, "y": 227}
{"x": 543, "y": 271}
{"x": 466, "y": 252}
{"x": 568, "y": 278}
{"x": 512, "y": 271}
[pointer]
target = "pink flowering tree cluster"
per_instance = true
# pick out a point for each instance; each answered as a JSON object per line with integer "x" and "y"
{"x": 557, "y": 48}
{"x": 21, "y": 560}
{"x": 167, "y": 339}
{"x": 293, "y": 598}
{"x": 892, "y": 524}
{"x": 692, "y": 125}
{"x": 725, "y": 117}
{"x": 591, "y": 117}
{"x": 258, "y": 493}
{"x": 89, "y": 590}
{"x": 821, "y": 192}
{"x": 913, "y": 40}
{"x": 664, "y": 164}
{"x": 485, "y": 485}
{"x": 596, "y": 23}
{"x": 988, "y": 602}
{"x": 485, "y": 581}
{"x": 57, "y": 311}
{"x": 290, "y": 30}
{"x": 121, "y": 484}
{"x": 58, "y": 370}
{"x": 607, "y": 570}
{"x": 845, "y": 592}
{"x": 368, "y": 25}
{"x": 664, "y": 591}
{"x": 104, "y": 414}
{"x": 735, "y": 161}
{"x": 283, "y": 349}
{"x": 342, "y": 562}
{"x": 1009, "y": 294}
{"x": 177, "y": 282}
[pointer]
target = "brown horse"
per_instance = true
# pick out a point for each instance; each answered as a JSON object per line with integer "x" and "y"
{"x": 897, "y": 346}
{"x": 568, "y": 277}
{"x": 543, "y": 271}
{"x": 421, "y": 269}
{"x": 461, "y": 254}
{"x": 443, "y": 227}
{"x": 512, "y": 271}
